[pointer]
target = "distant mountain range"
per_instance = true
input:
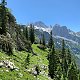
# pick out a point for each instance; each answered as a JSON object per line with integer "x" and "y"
{"x": 59, "y": 32}
{"x": 72, "y": 39}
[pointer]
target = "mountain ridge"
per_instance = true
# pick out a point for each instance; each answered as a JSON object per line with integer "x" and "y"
{"x": 72, "y": 39}
{"x": 41, "y": 24}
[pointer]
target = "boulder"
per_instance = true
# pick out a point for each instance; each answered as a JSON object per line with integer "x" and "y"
{"x": 8, "y": 64}
{"x": 1, "y": 64}
{"x": 34, "y": 73}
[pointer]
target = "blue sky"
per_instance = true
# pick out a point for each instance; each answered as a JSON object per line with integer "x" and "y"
{"x": 63, "y": 12}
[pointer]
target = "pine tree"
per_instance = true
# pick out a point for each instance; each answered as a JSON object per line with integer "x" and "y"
{"x": 72, "y": 74}
{"x": 65, "y": 66}
{"x": 50, "y": 43}
{"x": 63, "y": 49}
{"x": 31, "y": 34}
{"x": 10, "y": 49}
{"x": 43, "y": 39}
{"x": 52, "y": 63}
{"x": 78, "y": 74}
{"x": 64, "y": 59}
{"x": 69, "y": 57}
{"x": 63, "y": 54}
{"x": 25, "y": 32}
{"x": 27, "y": 36}
{"x": 3, "y": 29}
{"x": 40, "y": 41}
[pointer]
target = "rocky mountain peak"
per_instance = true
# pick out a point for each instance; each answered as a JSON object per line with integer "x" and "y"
{"x": 40, "y": 24}
{"x": 60, "y": 30}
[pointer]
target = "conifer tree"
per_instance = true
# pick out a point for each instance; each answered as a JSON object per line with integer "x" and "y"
{"x": 24, "y": 31}
{"x": 65, "y": 66}
{"x": 63, "y": 54}
{"x": 63, "y": 49}
{"x": 69, "y": 57}
{"x": 43, "y": 39}
{"x": 50, "y": 43}
{"x": 31, "y": 34}
{"x": 27, "y": 36}
{"x": 78, "y": 74}
{"x": 52, "y": 63}
{"x": 3, "y": 18}
{"x": 72, "y": 74}
{"x": 64, "y": 59}
{"x": 10, "y": 49}
{"x": 40, "y": 41}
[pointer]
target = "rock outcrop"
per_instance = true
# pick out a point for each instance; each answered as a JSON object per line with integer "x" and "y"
{"x": 8, "y": 64}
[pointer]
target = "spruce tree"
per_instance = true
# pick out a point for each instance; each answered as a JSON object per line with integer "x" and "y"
{"x": 69, "y": 57}
{"x": 10, "y": 49}
{"x": 27, "y": 36}
{"x": 24, "y": 31}
{"x": 63, "y": 49}
{"x": 64, "y": 59}
{"x": 50, "y": 43}
{"x": 52, "y": 63}
{"x": 43, "y": 39}
{"x": 4, "y": 18}
{"x": 40, "y": 41}
{"x": 31, "y": 34}
{"x": 65, "y": 66}
{"x": 72, "y": 73}
{"x": 63, "y": 54}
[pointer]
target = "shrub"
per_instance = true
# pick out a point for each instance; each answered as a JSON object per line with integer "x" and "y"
{"x": 6, "y": 44}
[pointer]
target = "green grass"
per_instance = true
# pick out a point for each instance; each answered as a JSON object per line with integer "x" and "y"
{"x": 19, "y": 60}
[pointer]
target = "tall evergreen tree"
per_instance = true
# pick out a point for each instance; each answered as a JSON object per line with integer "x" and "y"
{"x": 50, "y": 43}
{"x": 69, "y": 57}
{"x": 72, "y": 74}
{"x": 63, "y": 49}
{"x": 65, "y": 66}
{"x": 52, "y": 63}
{"x": 31, "y": 33}
{"x": 40, "y": 41}
{"x": 3, "y": 29}
{"x": 64, "y": 59}
{"x": 43, "y": 39}
{"x": 27, "y": 36}
{"x": 25, "y": 32}
{"x": 63, "y": 54}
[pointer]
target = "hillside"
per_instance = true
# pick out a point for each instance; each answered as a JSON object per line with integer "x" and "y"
{"x": 14, "y": 67}
{"x": 19, "y": 60}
